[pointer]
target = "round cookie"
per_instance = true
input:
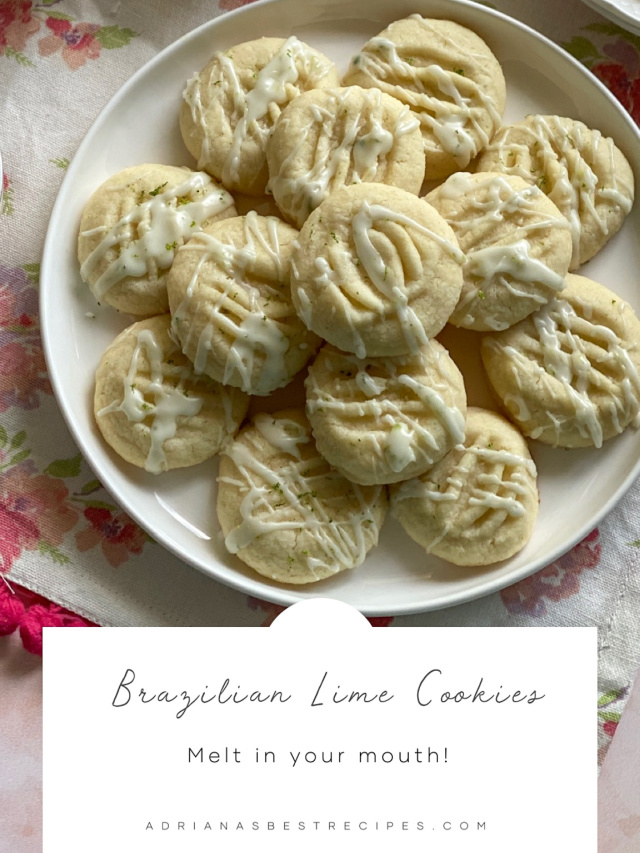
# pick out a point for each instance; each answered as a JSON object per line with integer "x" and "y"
{"x": 230, "y": 107}
{"x": 133, "y": 224}
{"x": 381, "y": 420}
{"x": 478, "y": 505}
{"x": 327, "y": 138}
{"x": 285, "y": 512}
{"x": 569, "y": 375}
{"x": 152, "y": 409}
{"x": 447, "y": 75}
{"x": 231, "y": 304}
{"x": 582, "y": 172}
{"x": 376, "y": 271}
{"x": 517, "y": 243}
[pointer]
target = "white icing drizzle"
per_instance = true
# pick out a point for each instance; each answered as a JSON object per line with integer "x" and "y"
{"x": 170, "y": 400}
{"x": 401, "y": 436}
{"x": 384, "y": 278}
{"x": 577, "y": 353}
{"x": 359, "y": 154}
{"x": 255, "y": 359}
{"x": 452, "y": 114}
{"x": 250, "y": 108}
{"x": 146, "y": 238}
{"x": 289, "y": 499}
{"x": 509, "y": 480}
{"x": 510, "y": 265}
{"x": 564, "y": 156}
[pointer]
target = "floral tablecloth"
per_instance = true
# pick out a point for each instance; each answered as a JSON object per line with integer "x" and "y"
{"x": 68, "y": 554}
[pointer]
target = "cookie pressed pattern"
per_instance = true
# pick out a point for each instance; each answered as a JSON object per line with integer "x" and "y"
{"x": 583, "y": 172}
{"x": 132, "y": 226}
{"x": 447, "y": 75}
{"x": 327, "y": 138}
{"x": 285, "y": 512}
{"x": 152, "y": 409}
{"x": 376, "y": 271}
{"x": 231, "y": 304}
{"x": 381, "y": 420}
{"x": 230, "y": 107}
{"x": 569, "y": 375}
{"x": 479, "y": 504}
{"x": 517, "y": 245}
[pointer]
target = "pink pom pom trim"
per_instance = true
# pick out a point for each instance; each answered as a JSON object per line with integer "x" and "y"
{"x": 29, "y": 613}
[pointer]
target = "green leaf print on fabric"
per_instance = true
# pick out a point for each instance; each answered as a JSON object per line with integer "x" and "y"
{"x": 56, "y": 555}
{"x": 35, "y": 510}
{"x": 65, "y": 467}
{"x": 20, "y": 58}
{"x": 75, "y": 42}
{"x": 582, "y": 49}
{"x": 113, "y": 37}
{"x": 7, "y": 196}
{"x": 613, "y": 55}
{"x": 608, "y": 716}
{"x": 60, "y": 162}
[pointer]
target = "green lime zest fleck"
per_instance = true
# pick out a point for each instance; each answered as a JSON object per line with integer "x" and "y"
{"x": 159, "y": 189}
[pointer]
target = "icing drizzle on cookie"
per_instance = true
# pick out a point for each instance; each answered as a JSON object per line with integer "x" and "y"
{"x": 449, "y": 103}
{"x": 334, "y": 520}
{"x": 586, "y": 363}
{"x": 166, "y": 387}
{"x": 481, "y": 477}
{"x": 250, "y": 317}
{"x": 389, "y": 281}
{"x": 564, "y": 155}
{"x": 360, "y": 152}
{"x": 505, "y": 268}
{"x": 272, "y": 86}
{"x": 409, "y": 403}
{"x": 146, "y": 238}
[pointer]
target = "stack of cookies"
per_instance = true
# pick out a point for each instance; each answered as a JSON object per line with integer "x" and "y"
{"x": 376, "y": 210}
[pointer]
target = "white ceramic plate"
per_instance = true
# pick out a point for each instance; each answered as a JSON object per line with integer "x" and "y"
{"x": 625, "y": 13}
{"x": 140, "y": 125}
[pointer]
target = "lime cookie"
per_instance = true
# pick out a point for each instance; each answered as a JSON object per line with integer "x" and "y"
{"x": 479, "y": 504}
{"x": 381, "y": 420}
{"x": 376, "y": 271}
{"x": 285, "y": 512}
{"x": 447, "y": 75}
{"x": 329, "y": 138}
{"x": 133, "y": 224}
{"x": 569, "y": 375}
{"x": 230, "y": 107}
{"x": 231, "y": 304}
{"x": 152, "y": 409}
{"x": 582, "y": 172}
{"x": 517, "y": 244}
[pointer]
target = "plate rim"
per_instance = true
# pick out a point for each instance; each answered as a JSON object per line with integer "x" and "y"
{"x": 229, "y": 576}
{"x": 615, "y": 14}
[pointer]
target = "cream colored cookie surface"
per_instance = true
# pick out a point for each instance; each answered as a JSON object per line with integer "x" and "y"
{"x": 583, "y": 172}
{"x": 231, "y": 306}
{"x": 517, "y": 243}
{"x": 447, "y": 75}
{"x": 230, "y": 107}
{"x": 152, "y": 409}
{"x": 132, "y": 226}
{"x": 327, "y": 138}
{"x": 285, "y": 512}
{"x": 381, "y": 420}
{"x": 376, "y": 271}
{"x": 478, "y": 505}
{"x": 569, "y": 375}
